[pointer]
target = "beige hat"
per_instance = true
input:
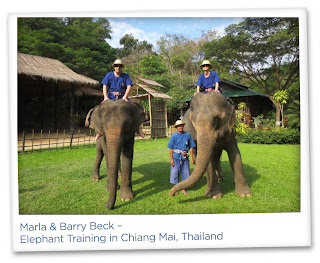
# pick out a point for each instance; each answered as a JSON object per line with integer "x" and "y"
{"x": 206, "y": 62}
{"x": 117, "y": 62}
{"x": 179, "y": 122}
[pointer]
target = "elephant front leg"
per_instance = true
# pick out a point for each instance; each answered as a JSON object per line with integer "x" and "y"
{"x": 241, "y": 186}
{"x": 126, "y": 192}
{"x": 213, "y": 188}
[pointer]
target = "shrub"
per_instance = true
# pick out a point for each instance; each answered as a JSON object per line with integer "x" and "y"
{"x": 281, "y": 136}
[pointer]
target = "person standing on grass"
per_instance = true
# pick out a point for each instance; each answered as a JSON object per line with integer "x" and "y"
{"x": 180, "y": 143}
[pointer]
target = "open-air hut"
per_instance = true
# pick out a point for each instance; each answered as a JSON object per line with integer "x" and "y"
{"x": 144, "y": 90}
{"x": 43, "y": 86}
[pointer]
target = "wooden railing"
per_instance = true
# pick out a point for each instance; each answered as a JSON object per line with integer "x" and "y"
{"x": 40, "y": 140}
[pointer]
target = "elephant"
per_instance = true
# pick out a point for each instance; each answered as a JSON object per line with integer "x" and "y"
{"x": 210, "y": 120}
{"x": 117, "y": 122}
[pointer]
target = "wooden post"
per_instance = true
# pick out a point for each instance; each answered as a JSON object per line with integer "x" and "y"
{"x": 40, "y": 139}
{"x": 78, "y": 138}
{"x": 32, "y": 140}
{"x": 49, "y": 139}
{"x": 55, "y": 120}
{"x": 150, "y": 112}
{"x": 23, "y": 140}
{"x": 71, "y": 138}
{"x": 64, "y": 136}
{"x": 42, "y": 107}
{"x": 72, "y": 102}
{"x": 57, "y": 139}
{"x": 165, "y": 112}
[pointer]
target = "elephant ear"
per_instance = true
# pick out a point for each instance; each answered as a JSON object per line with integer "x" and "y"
{"x": 88, "y": 118}
{"x": 93, "y": 121}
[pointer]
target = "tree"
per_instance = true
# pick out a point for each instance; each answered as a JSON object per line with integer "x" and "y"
{"x": 77, "y": 42}
{"x": 262, "y": 51}
{"x": 281, "y": 96}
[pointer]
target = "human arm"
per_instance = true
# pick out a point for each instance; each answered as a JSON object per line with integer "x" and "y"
{"x": 104, "y": 91}
{"x": 216, "y": 88}
{"x": 191, "y": 154}
{"x": 171, "y": 158}
{"x": 125, "y": 97}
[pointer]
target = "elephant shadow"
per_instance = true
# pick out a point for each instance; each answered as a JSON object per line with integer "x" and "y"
{"x": 155, "y": 178}
{"x": 227, "y": 183}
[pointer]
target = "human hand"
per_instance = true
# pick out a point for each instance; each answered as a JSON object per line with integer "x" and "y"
{"x": 172, "y": 162}
{"x": 105, "y": 100}
{"x": 192, "y": 161}
{"x": 217, "y": 91}
{"x": 125, "y": 99}
{"x": 196, "y": 93}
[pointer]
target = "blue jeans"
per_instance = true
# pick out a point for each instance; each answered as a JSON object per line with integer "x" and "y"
{"x": 180, "y": 166}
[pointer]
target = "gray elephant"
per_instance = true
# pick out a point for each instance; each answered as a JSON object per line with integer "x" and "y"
{"x": 210, "y": 121}
{"x": 117, "y": 122}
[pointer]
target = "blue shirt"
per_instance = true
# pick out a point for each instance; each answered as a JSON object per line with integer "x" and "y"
{"x": 210, "y": 81}
{"x": 182, "y": 142}
{"x": 117, "y": 84}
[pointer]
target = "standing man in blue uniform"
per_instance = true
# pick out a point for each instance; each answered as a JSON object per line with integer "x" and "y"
{"x": 180, "y": 143}
{"x": 208, "y": 79}
{"x": 116, "y": 84}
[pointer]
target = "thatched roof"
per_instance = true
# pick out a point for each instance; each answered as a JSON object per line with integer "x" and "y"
{"x": 150, "y": 90}
{"x": 50, "y": 69}
{"x": 153, "y": 92}
{"x": 83, "y": 91}
{"x": 150, "y": 82}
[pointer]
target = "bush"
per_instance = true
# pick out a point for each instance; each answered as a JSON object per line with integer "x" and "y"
{"x": 281, "y": 136}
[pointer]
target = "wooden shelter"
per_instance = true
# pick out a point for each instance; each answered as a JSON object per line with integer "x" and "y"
{"x": 144, "y": 90}
{"x": 41, "y": 84}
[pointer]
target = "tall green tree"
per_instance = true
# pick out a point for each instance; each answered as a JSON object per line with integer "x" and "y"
{"x": 262, "y": 51}
{"x": 77, "y": 42}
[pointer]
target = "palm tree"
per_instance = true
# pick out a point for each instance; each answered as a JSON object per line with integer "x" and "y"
{"x": 294, "y": 115}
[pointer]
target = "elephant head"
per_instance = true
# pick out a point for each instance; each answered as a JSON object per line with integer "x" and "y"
{"x": 118, "y": 121}
{"x": 210, "y": 121}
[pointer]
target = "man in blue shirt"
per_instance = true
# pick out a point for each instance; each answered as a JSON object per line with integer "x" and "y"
{"x": 179, "y": 144}
{"x": 116, "y": 84}
{"x": 208, "y": 79}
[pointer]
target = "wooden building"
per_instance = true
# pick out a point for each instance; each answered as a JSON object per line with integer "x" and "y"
{"x": 46, "y": 92}
{"x": 144, "y": 90}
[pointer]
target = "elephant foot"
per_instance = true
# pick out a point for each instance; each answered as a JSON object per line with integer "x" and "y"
{"x": 118, "y": 188}
{"x": 243, "y": 190}
{"x": 95, "y": 178}
{"x": 126, "y": 195}
{"x": 109, "y": 205}
{"x": 214, "y": 193}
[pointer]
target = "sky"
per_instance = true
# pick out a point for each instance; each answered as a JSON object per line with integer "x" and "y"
{"x": 151, "y": 29}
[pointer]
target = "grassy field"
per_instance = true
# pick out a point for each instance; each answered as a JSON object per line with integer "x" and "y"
{"x": 58, "y": 182}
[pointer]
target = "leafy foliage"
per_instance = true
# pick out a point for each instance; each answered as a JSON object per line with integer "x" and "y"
{"x": 281, "y": 136}
{"x": 77, "y": 42}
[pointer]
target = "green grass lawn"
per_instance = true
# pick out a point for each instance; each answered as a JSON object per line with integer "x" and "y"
{"x": 58, "y": 182}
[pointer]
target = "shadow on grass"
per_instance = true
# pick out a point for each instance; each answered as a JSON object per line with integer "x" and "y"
{"x": 21, "y": 191}
{"x": 155, "y": 179}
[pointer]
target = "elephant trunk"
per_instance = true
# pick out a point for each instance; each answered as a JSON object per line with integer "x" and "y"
{"x": 114, "y": 145}
{"x": 204, "y": 151}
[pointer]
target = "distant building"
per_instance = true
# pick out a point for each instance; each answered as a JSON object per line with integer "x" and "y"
{"x": 47, "y": 92}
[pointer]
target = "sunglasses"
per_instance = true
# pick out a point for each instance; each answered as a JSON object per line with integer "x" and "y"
{"x": 118, "y": 66}
{"x": 206, "y": 65}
